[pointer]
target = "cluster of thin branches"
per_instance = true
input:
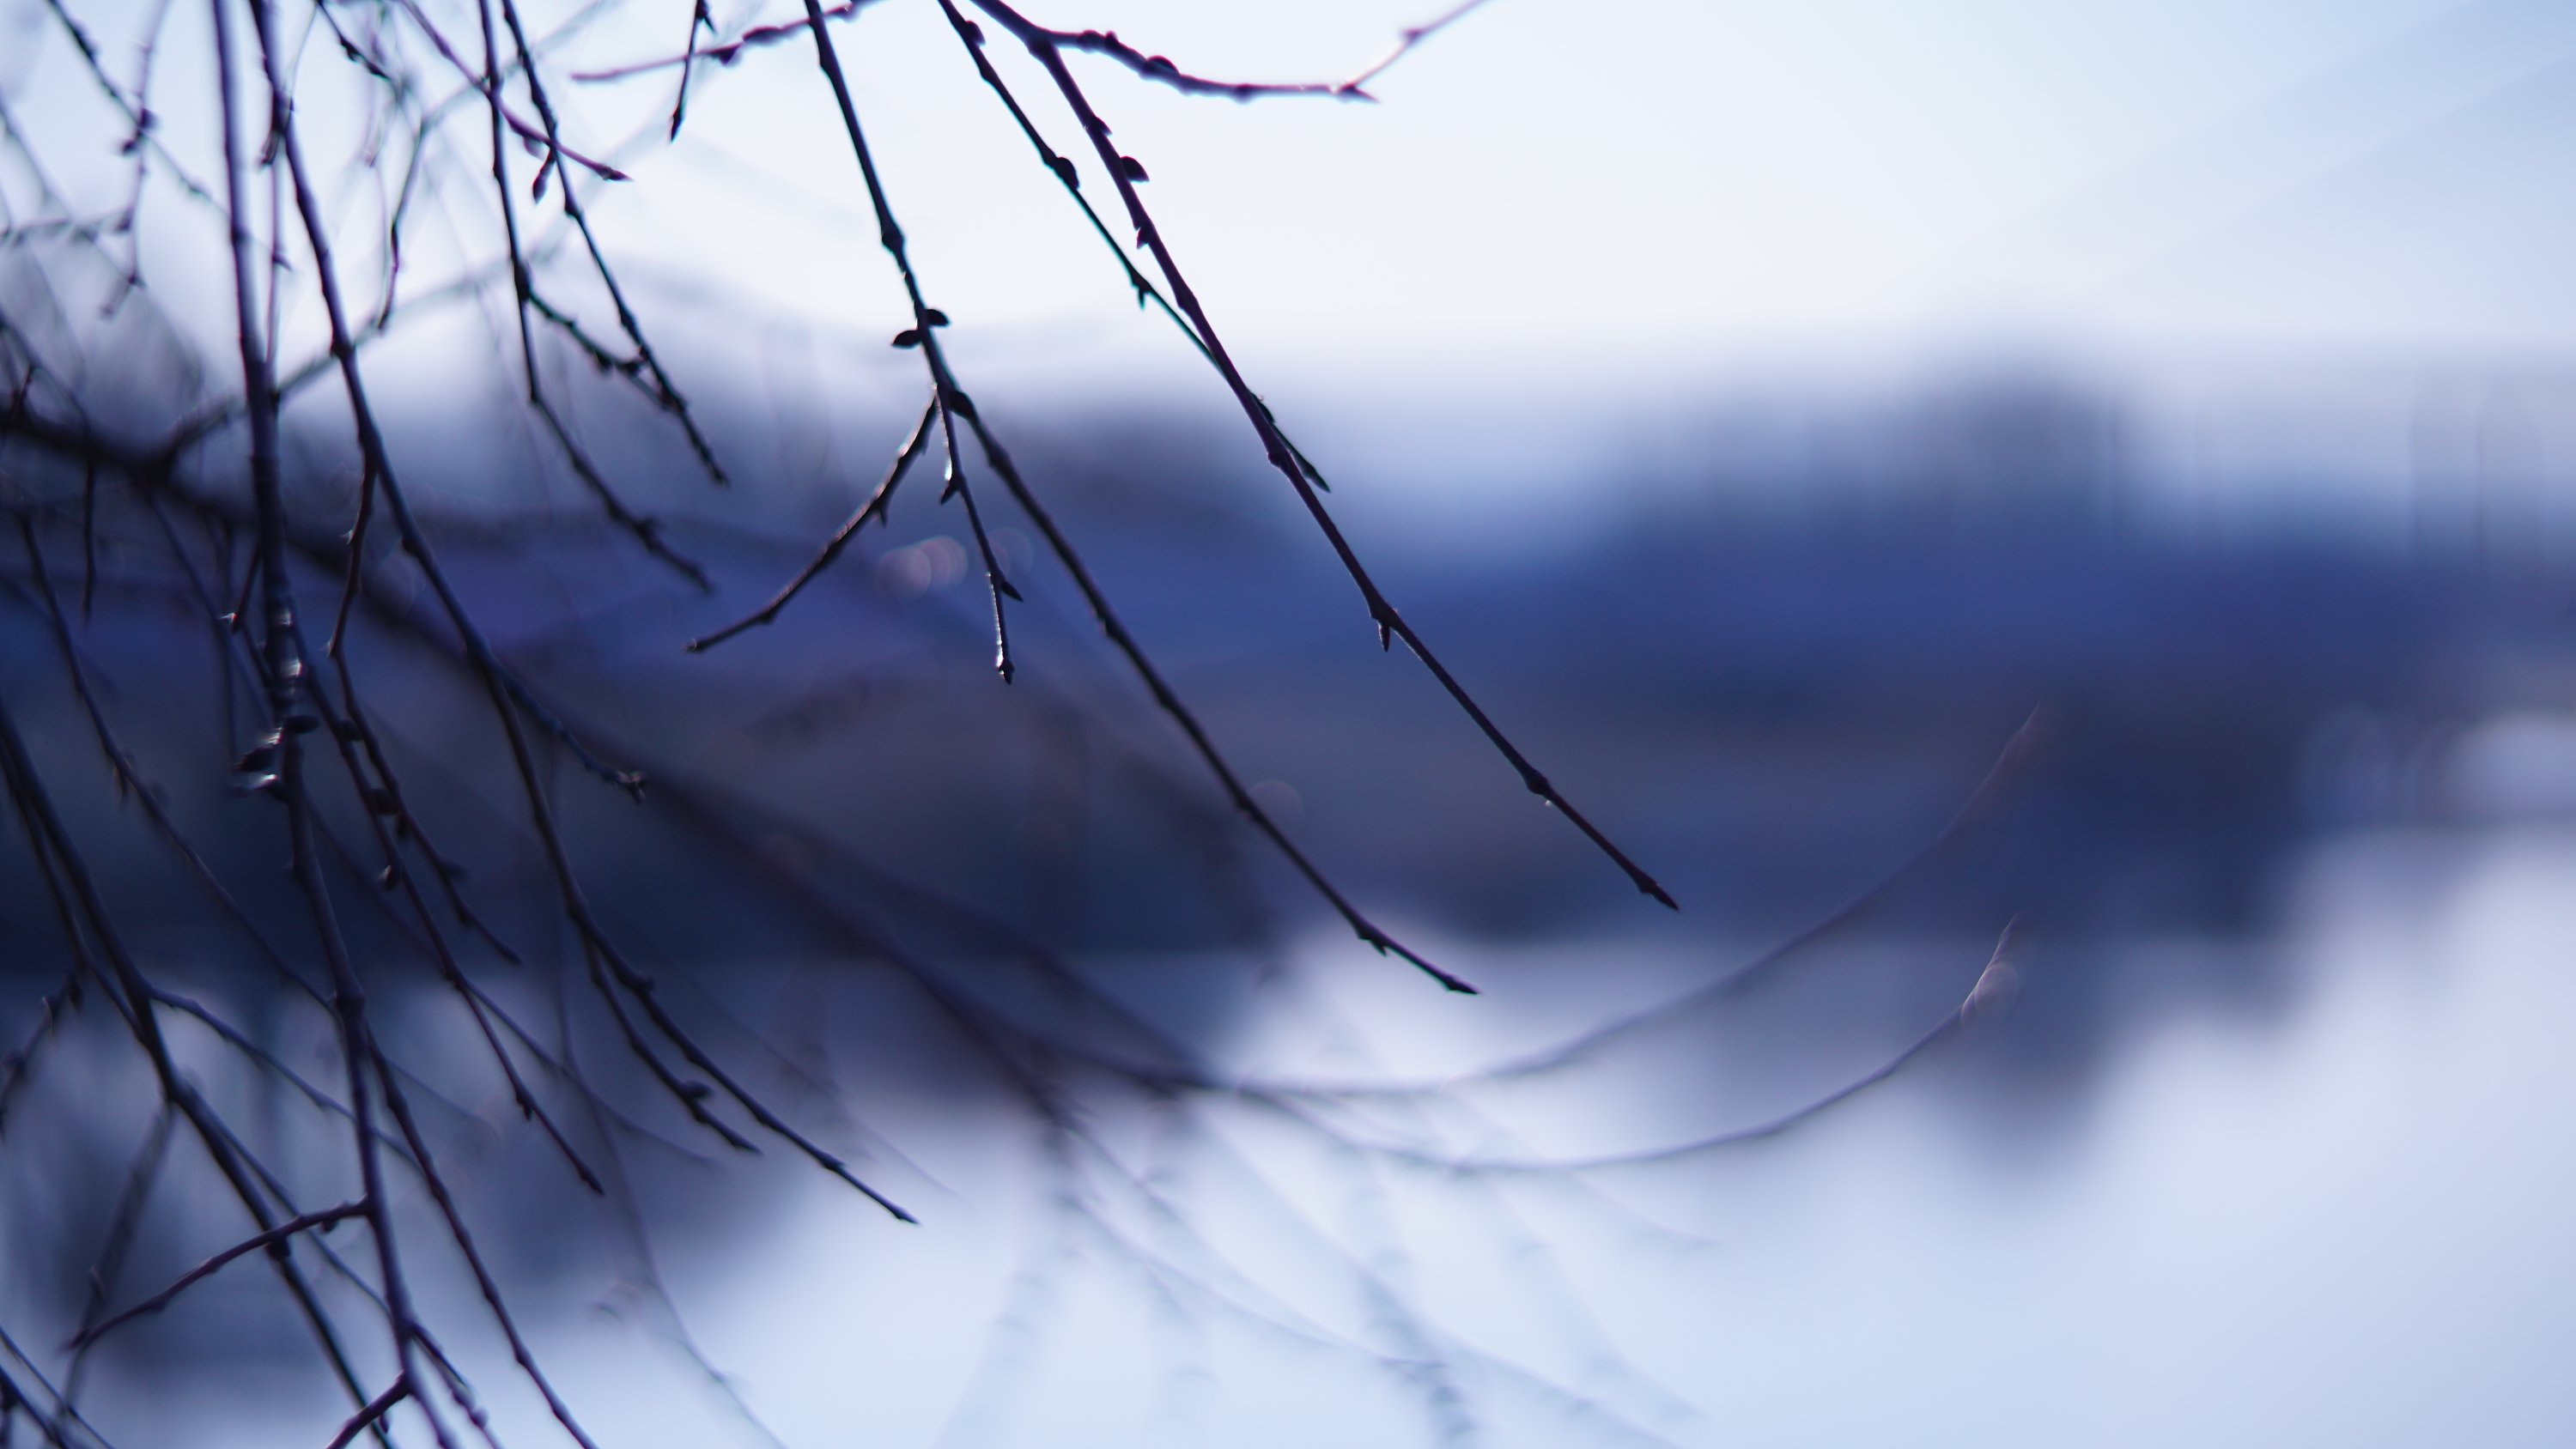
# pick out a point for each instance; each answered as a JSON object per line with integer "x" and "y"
{"x": 292, "y": 587}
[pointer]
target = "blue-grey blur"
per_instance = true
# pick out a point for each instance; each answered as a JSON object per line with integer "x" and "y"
{"x": 2095, "y": 478}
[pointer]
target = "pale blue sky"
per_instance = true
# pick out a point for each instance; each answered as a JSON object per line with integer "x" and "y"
{"x": 1557, "y": 192}
{"x": 1571, "y": 187}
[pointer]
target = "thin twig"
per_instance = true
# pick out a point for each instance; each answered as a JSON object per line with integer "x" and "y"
{"x": 1992, "y": 993}
{"x": 1410, "y": 37}
{"x": 286, "y": 680}
{"x": 269, "y": 1239}
{"x": 1124, "y": 172}
{"x": 375, "y": 1410}
{"x": 729, "y": 52}
{"x": 1171, "y": 704}
{"x": 875, "y": 507}
{"x": 646, "y": 531}
{"x": 947, "y": 398}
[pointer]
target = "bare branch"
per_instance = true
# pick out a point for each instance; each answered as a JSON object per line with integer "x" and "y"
{"x": 875, "y": 507}
{"x": 273, "y": 1237}
{"x": 1410, "y": 37}
{"x": 1124, "y": 172}
{"x": 372, "y": 1415}
{"x": 727, "y": 53}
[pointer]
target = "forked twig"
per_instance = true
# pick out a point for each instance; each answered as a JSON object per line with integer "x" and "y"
{"x": 1408, "y": 38}
{"x": 948, "y": 400}
{"x": 726, "y": 54}
{"x": 1125, "y": 173}
{"x": 302, "y": 1222}
{"x": 875, "y": 507}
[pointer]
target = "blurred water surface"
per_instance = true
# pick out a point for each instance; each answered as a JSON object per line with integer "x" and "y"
{"x": 2273, "y": 1147}
{"x": 2343, "y": 1225}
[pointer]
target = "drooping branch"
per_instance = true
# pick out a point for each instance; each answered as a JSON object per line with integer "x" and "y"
{"x": 727, "y": 53}
{"x": 302, "y": 1222}
{"x": 874, "y": 507}
{"x": 1994, "y": 991}
{"x": 948, "y": 400}
{"x": 1408, "y": 38}
{"x": 281, "y": 773}
{"x": 646, "y": 531}
{"x": 1125, "y": 173}
{"x": 1159, "y": 69}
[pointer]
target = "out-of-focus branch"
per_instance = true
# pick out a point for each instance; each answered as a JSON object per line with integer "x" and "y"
{"x": 302, "y": 1222}
{"x": 1410, "y": 37}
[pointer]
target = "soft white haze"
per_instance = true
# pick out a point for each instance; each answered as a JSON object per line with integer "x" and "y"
{"x": 1604, "y": 190}
{"x": 1555, "y": 200}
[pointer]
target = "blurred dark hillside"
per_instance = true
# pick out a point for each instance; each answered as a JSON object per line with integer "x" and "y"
{"x": 1779, "y": 680}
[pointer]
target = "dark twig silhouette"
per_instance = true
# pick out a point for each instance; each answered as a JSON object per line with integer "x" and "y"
{"x": 1125, "y": 172}
{"x": 401, "y": 840}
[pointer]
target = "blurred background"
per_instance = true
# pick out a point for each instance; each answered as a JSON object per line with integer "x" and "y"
{"x": 1768, "y": 413}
